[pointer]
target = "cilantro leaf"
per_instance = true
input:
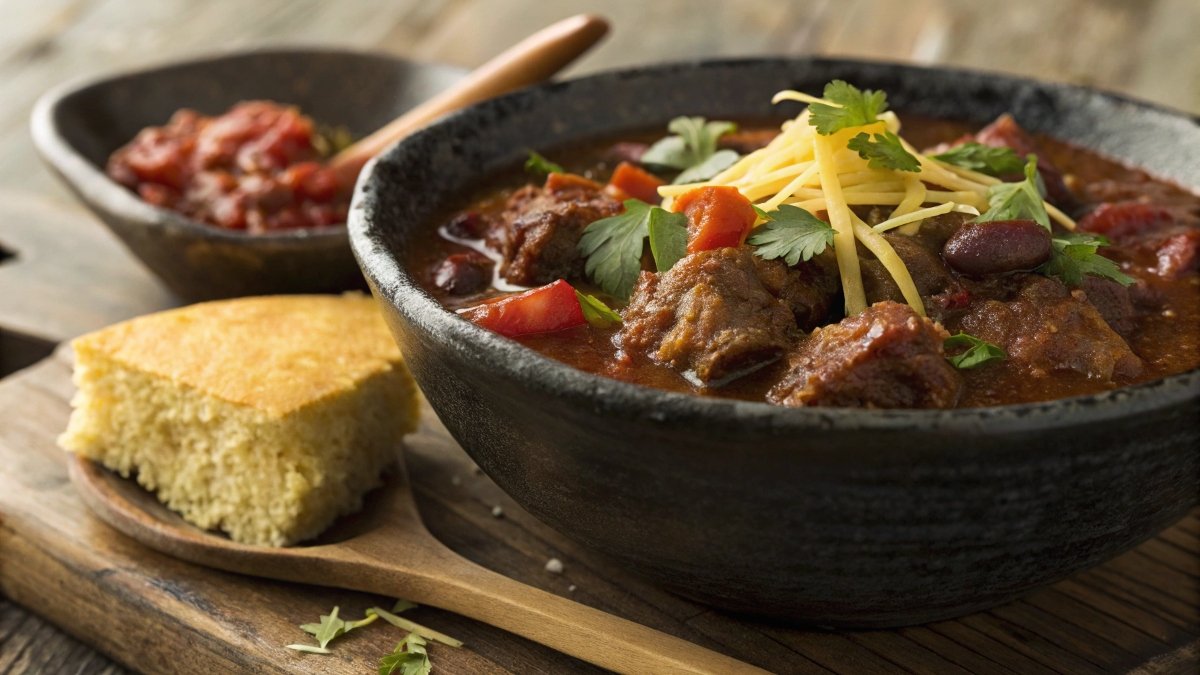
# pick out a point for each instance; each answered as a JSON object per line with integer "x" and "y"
{"x": 1021, "y": 200}
{"x": 596, "y": 312}
{"x": 613, "y": 248}
{"x": 540, "y": 166}
{"x": 982, "y": 158}
{"x": 408, "y": 658}
{"x": 329, "y": 628}
{"x": 309, "y": 649}
{"x": 884, "y": 151}
{"x": 978, "y": 352}
{"x": 668, "y": 238}
{"x": 791, "y": 233}
{"x": 693, "y": 149}
{"x": 854, "y": 108}
{"x": 1076, "y": 254}
{"x": 715, "y": 164}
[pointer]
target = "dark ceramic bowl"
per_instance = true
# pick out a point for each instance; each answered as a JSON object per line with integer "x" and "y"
{"x": 77, "y": 126}
{"x": 831, "y": 516}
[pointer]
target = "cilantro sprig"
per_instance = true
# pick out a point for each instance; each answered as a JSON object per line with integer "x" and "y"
{"x": 693, "y": 149}
{"x": 855, "y": 108}
{"x": 790, "y": 233}
{"x": 1076, "y": 254}
{"x": 668, "y": 238}
{"x": 613, "y": 246}
{"x": 596, "y": 312}
{"x": 1018, "y": 201}
{"x": 982, "y": 158}
{"x": 538, "y": 165}
{"x": 978, "y": 351}
{"x": 884, "y": 151}
{"x": 410, "y": 657}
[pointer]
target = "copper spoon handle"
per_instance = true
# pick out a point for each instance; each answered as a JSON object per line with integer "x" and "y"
{"x": 530, "y": 61}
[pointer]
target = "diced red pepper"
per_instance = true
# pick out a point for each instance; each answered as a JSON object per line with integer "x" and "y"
{"x": 718, "y": 216}
{"x": 631, "y": 182}
{"x": 552, "y": 307}
{"x": 1122, "y": 221}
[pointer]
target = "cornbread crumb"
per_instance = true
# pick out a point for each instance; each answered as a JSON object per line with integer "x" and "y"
{"x": 266, "y": 418}
{"x": 554, "y": 566}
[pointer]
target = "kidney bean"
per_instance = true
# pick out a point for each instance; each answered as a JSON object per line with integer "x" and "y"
{"x": 997, "y": 247}
{"x": 463, "y": 273}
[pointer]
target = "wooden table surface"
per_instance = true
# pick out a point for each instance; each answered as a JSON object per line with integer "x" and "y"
{"x": 61, "y": 274}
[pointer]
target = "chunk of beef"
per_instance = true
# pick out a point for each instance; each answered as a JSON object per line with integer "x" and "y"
{"x": 709, "y": 317}
{"x": 925, "y": 265}
{"x": 1046, "y": 327}
{"x": 1004, "y": 132}
{"x": 538, "y": 232}
{"x": 463, "y": 273}
{"x": 885, "y": 357}
{"x": 1114, "y": 302}
{"x": 809, "y": 289}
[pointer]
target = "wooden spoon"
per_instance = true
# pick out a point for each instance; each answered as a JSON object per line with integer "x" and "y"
{"x": 530, "y": 61}
{"x": 386, "y": 550}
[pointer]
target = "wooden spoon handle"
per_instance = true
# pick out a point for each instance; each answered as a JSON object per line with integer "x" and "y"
{"x": 530, "y": 61}
{"x": 572, "y": 628}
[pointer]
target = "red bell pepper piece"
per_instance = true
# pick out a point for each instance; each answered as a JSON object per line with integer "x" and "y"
{"x": 631, "y": 182}
{"x": 718, "y": 216}
{"x": 550, "y": 308}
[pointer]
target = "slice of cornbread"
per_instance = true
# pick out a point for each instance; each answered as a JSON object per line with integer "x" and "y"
{"x": 263, "y": 417}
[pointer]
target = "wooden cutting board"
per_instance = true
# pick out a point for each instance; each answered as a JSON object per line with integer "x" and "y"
{"x": 157, "y": 614}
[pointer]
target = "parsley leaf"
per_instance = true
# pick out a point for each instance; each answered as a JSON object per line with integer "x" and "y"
{"x": 884, "y": 152}
{"x": 540, "y": 166}
{"x": 791, "y": 233}
{"x": 408, "y": 658}
{"x": 1077, "y": 254}
{"x": 668, "y": 238}
{"x": 613, "y": 248}
{"x": 693, "y": 149}
{"x": 329, "y": 628}
{"x": 854, "y": 108}
{"x": 1021, "y": 200}
{"x": 982, "y": 158}
{"x": 978, "y": 352}
{"x": 596, "y": 312}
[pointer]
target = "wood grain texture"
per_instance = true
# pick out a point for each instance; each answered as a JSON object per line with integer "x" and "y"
{"x": 69, "y": 276}
{"x": 1140, "y": 610}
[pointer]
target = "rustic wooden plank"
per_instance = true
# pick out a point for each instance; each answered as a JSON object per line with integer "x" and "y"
{"x": 956, "y": 652}
{"x": 995, "y": 648}
{"x": 1181, "y": 661}
{"x": 1067, "y": 636}
{"x": 1137, "y": 618}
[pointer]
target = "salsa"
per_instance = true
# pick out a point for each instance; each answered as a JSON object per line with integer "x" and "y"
{"x": 1063, "y": 273}
{"x": 256, "y": 168}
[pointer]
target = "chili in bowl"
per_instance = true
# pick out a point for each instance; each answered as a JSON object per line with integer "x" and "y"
{"x": 719, "y": 432}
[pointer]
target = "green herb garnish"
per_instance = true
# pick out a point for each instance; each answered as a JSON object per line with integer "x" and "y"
{"x": 978, "y": 351}
{"x": 668, "y": 238}
{"x": 982, "y": 158}
{"x": 540, "y": 166}
{"x": 790, "y": 233}
{"x": 613, "y": 248}
{"x": 408, "y": 658}
{"x": 854, "y": 108}
{"x": 1018, "y": 201}
{"x": 412, "y": 626}
{"x": 596, "y": 312}
{"x": 1076, "y": 254}
{"x": 884, "y": 151}
{"x": 692, "y": 150}
{"x": 330, "y": 628}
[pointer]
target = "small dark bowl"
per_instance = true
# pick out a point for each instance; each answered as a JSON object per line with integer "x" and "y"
{"x": 831, "y": 516}
{"x": 78, "y": 125}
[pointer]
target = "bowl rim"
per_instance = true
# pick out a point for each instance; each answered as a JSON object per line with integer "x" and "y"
{"x": 512, "y": 361}
{"x": 97, "y": 188}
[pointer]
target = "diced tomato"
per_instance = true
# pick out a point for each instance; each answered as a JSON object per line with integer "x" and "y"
{"x": 629, "y": 181}
{"x": 562, "y": 182}
{"x": 552, "y": 307}
{"x": 1122, "y": 220}
{"x": 718, "y": 216}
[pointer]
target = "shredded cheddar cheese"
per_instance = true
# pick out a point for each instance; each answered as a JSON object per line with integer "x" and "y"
{"x": 815, "y": 172}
